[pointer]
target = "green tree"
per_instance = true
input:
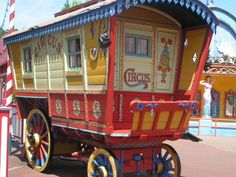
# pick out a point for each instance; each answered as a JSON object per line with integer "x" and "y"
{"x": 2, "y": 32}
{"x": 75, "y": 3}
{"x": 66, "y": 5}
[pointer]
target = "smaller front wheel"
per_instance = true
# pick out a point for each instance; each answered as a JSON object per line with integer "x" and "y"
{"x": 102, "y": 164}
{"x": 167, "y": 163}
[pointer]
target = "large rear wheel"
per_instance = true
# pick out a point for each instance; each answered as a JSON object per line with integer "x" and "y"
{"x": 38, "y": 141}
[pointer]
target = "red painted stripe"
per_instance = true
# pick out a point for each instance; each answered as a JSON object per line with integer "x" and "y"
{"x": 12, "y": 2}
{"x": 140, "y": 122}
{"x": 170, "y": 120}
{"x": 12, "y": 15}
{"x": 156, "y": 119}
{"x": 111, "y": 73}
{"x": 184, "y": 117}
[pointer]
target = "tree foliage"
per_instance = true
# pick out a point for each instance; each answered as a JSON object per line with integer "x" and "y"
{"x": 68, "y": 5}
{"x": 2, "y": 32}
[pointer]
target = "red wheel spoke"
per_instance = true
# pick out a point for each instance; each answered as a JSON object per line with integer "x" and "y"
{"x": 41, "y": 157}
{"x": 38, "y": 161}
{"x": 39, "y": 122}
{"x": 34, "y": 119}
{"x": 41, "y": 128}
{"x": 44, "y": 151}
{"x": 44, "y": 142}
{"x": 44, "y": 135}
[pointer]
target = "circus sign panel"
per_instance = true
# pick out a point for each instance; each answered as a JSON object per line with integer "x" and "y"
{"x": 137, "y": 77}
{"x": 134, "y": 78}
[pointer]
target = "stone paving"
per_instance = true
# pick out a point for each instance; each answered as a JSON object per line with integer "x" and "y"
{"x": 213, "y": 157}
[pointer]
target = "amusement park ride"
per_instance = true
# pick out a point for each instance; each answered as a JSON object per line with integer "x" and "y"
{"x": 109, "y": 81}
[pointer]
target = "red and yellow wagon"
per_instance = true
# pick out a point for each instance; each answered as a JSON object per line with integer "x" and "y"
{"x": 109, "y": 81}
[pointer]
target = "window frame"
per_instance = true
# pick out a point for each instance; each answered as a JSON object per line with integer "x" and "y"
{"x": 234, "y": 107}
{"x": 25, "y": 61}
{"x": 136, "y": 38}
{"x": 68, "y": 53}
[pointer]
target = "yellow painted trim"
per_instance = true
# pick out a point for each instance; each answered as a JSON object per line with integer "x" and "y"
{"x": 148, "y": 120}
{"x": 186, "y": 122}
{"x": 195, "y": 43}
{"x": 73, "y": 73}
{"x": 135, "y": 121}
{"x": 17, "y": 67}
{"x": 163, "y": 119}
{"x": 75, "y": 80}
{"x": 27, "y": 76}
{"x": 177, "y": 117}
{"x": 29, "y": 83}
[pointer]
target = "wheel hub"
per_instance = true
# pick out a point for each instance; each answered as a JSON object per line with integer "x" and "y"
{"x": 100, "y": 172}
{"x": 160, "y": 168}
{"x": 34, "y": 140}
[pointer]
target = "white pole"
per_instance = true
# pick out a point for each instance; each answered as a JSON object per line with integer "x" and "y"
{"x": 4, "y": 146}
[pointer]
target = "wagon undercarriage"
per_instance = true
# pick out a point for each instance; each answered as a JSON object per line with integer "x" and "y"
{"x": 124, "y": 151}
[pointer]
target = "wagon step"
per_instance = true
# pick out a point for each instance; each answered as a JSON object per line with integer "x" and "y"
{"x": 190, "y": 136}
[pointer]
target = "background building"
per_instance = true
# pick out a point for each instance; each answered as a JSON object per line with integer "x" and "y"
{"x": 3, "y": 70}
{"x": 221, "y": 66}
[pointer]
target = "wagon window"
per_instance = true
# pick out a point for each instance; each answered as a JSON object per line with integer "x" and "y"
{"x": 74, "y": 53}
{"x": 137, "y": 45}
{"x": 230, "y": 107}
{"x": 27, "y": 59}
{"x": 130, "y": 45}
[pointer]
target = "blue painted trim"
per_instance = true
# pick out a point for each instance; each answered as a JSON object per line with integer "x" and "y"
{"x": 223, "y": 128}
{"x": 109, "y": 10}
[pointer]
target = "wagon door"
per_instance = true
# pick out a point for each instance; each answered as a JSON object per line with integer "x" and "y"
{"x": 166, "y": 60}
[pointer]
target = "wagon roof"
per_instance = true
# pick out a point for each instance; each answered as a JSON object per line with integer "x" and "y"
{"x": 199, "y": 13}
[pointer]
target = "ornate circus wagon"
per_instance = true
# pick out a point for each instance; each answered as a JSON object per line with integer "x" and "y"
{"x": 109, "y": 81}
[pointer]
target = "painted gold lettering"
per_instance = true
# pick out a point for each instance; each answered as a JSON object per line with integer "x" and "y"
{"x": 42, "y": 42}
{"x": 36, "y": 52}
{"x": 54, "y": 42}
{"x": 50, "y": 39}
{"x": 59, "y": 47}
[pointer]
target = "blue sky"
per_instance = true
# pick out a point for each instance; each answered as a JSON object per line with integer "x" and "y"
{"x": 31, "y": 12}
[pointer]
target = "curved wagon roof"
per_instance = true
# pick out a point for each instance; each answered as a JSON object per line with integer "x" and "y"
{"x": 188, "y": 12}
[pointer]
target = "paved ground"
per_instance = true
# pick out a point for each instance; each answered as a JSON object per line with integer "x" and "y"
{"x": 214, "y": 157}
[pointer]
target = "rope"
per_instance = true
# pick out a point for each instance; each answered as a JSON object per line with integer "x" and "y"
{"x": 5, "y": 15}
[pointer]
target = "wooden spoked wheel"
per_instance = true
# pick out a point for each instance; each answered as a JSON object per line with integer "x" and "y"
{"x": 102, "y": 164}
{"x": 167, "y": 163}
{"x": 38, "y": 141}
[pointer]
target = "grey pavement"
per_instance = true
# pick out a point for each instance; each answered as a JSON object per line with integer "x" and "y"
{"x": 213, "y": 157}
